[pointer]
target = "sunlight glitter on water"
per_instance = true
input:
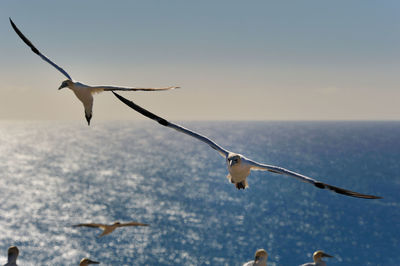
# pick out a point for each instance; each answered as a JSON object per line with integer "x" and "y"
{"x": 58, "y": 174}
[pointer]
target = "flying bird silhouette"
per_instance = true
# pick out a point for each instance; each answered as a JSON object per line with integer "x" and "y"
{"x": 109, "y": 228}
{"x": 317, "y": 257}
{"x": 239, "y": 166}
{"x": 83, "y": 92}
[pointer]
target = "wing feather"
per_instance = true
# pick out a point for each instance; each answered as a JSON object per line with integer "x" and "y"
{"x": 90, "y": 225}
{"x": 36, "y": 51}
{"x": 283, "y": 171}
{"x": 179, "y": 128}
{"x": 133, "y": 224}
{"x": 112, "y": 88}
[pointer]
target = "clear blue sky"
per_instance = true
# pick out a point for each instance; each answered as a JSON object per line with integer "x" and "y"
{"x": 246, "y": 60}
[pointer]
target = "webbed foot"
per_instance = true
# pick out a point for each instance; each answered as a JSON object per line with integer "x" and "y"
{"x": 240, "y": 185}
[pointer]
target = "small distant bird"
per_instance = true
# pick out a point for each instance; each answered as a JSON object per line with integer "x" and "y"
{"x": 83, "y": 92}
{"x": 86, "y": 261}
{"x": 109, "y": 228}
{"x": 317, "y": 256}
{"x": 238, "y": 165}
{"x": 13, "y": 253}
{"x": 260, "y": 259}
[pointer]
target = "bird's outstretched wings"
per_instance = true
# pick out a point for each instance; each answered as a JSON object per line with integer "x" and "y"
{"x": 283, "y": 171}
{"x": 179, "y": 128}
{"x": 36, "y": 51}
{"x": 90, "y": 225}
{"x": 133, "y": 224}
{"x": 112, "y": 88}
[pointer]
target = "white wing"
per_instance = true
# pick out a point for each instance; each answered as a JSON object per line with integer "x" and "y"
{"x": 283, "y": 171}
{"x": 36, "y": 51}
{"x": 179, "y": 128}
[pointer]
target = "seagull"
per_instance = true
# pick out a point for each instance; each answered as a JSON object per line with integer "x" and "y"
{"x": 109, "y": 228}
{"x": 239, "y": 166}
{"x": 260, "y": 259}
{"x": 12, "y": 256}
{"x": 317, "y": 256}
{"x": 86, "y": 262}
{"x": 83, "y": 92}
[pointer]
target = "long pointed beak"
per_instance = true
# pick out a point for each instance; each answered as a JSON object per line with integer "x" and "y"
{"x": 93, "y": 262}
{"x": 326, "y": 255}
{"x": 59, "y": 88}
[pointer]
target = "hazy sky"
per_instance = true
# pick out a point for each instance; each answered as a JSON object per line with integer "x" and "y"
{"x": 245, "y": 60}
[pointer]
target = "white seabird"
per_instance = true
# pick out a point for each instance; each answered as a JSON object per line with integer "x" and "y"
{"x": 86, "y": 262}
{"x": 83, "y": 92}
{"x": 317, "y": 257}
{"x": 239, "y": 166}
{"x": 13, "y": 253}
{"x": 109, "y": 228}
{"x": 260, "y": 259}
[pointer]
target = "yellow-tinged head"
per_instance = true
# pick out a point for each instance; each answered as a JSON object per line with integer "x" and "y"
{"x": 234, "y": 159}
{"x": 261, "y": 254}
{"x": 13, "y": 251}
{"x": 86, "y": 261}
{"x": 66, "y": 83}
{"x": 319, "y": 254}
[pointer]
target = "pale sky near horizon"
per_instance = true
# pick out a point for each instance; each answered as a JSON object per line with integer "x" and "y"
{"x": 235, "y": 60}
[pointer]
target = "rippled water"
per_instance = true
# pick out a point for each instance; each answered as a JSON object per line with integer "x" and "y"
{"x": 54, "y": 175}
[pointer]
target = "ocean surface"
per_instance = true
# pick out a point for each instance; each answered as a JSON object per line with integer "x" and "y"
{"x": 56, "y": 174}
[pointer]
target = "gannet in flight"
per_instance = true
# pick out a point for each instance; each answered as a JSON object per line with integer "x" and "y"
{"x": 317, "y": 256}
{"x": 238, "y": 165}
{"x": 109, "y": 228}
{"x": 260, "y": 259}
{"x": 12, "y": 256}
{"x": 86, "y": 262}
{"x": 83, "y": 92}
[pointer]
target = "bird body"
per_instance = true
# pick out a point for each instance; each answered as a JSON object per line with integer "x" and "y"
{"x": 253, "y": 263}
{"x": 238, "y": 170}
{"x": 83, "y": 92}
{"x": 109, "y": 228}
{"x": 320, "y": 263}
{"x": 239, "y": 166}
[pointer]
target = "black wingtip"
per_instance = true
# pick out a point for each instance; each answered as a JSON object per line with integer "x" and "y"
{"x": 12, "y": 23}
{"x": 22, "y": 36}
{"x": 141, "y": 110}
{"x": 319, "y": 185}
{"x": 345, "y": 191}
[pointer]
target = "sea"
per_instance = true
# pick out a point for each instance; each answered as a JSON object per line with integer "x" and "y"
{"x": 57, "y": 174}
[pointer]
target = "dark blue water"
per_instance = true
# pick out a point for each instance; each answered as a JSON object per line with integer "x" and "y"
{"x": 54, "y": 175}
